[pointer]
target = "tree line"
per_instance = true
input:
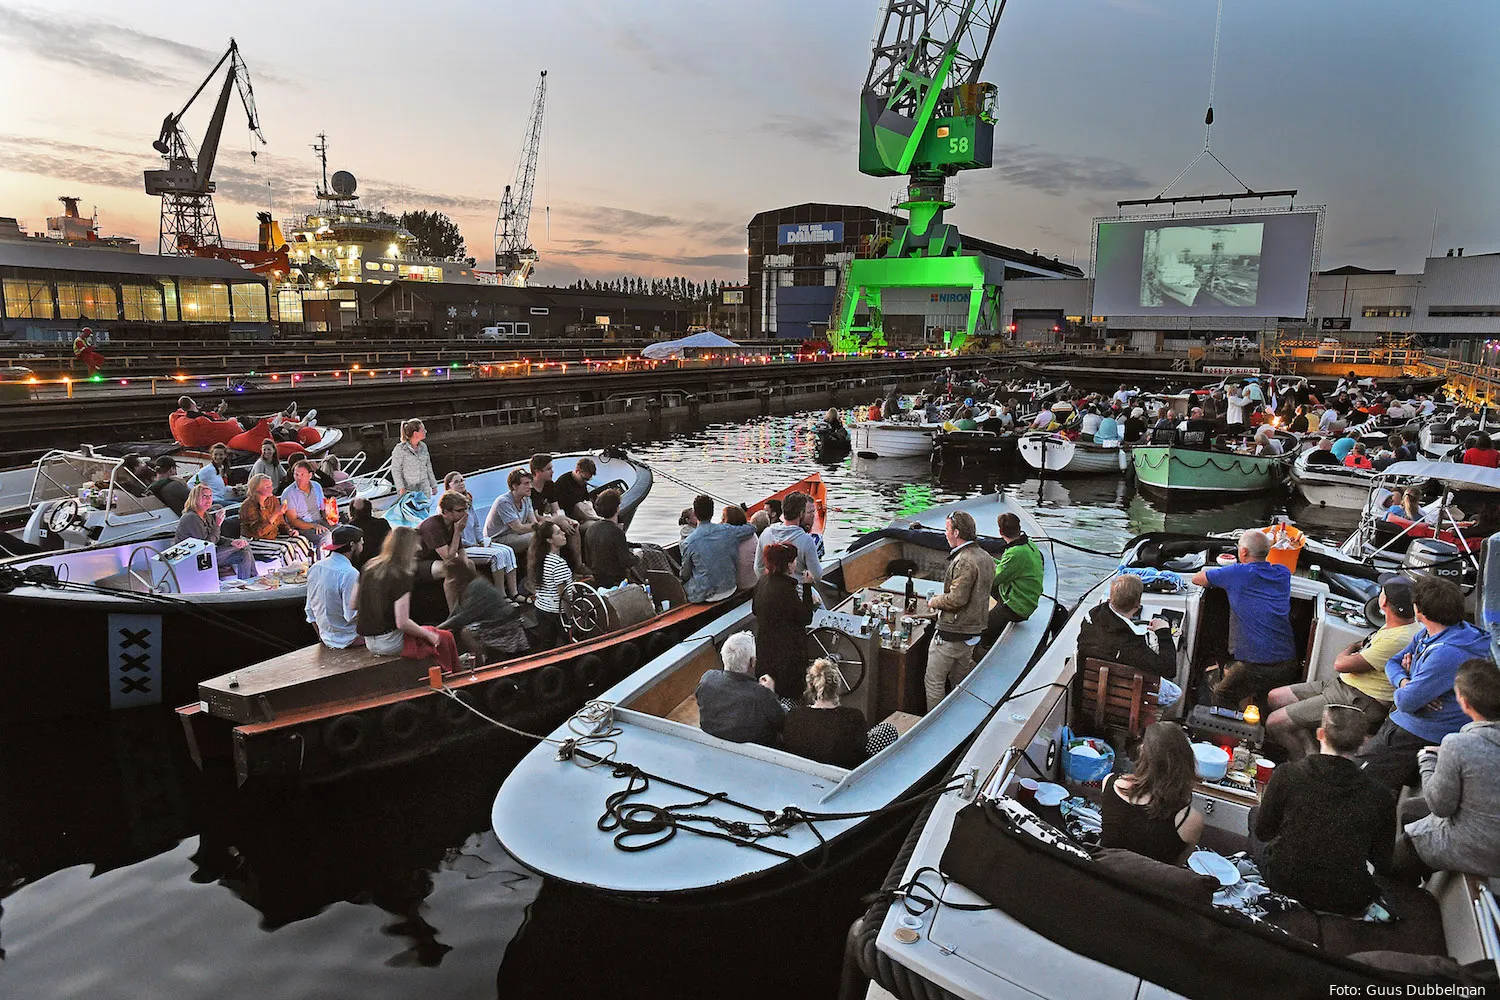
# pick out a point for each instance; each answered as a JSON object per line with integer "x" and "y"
{"x": 683, "y": 289}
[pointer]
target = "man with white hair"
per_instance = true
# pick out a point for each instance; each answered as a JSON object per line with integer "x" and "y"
{"x": 1261, "y": 642}
{"x": 732, "y": 705}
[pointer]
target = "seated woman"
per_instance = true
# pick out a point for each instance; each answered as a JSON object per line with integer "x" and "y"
{"x": 215, "y": 475}
{"x": 262, "y": 517}
{"x": 1265, "y": 442}
{"x": 485, "y": 622}
{"x": 1358, "y": 457}
{"x": 550, "y": 577}
{"x": 197, "y": 522}
{"x": 821, "y": 729}
{"x": 384, "y": 606}
{"x": 1480, "y": 450}
{"x": 502, "y": 557}
{"x": 1151, "y": 811}
{"x": 744, "y": 568}
{"x": 332, "y": 477}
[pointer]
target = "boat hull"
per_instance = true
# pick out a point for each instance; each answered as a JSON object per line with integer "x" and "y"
{"x": 884, "y": 440}
{"x": 1055, "y": 453}
{"x": 1180, "y": 473}
{"x": 1332, "y": 486}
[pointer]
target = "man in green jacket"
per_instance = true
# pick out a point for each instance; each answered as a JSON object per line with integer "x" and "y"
{"x": 1018, "y": 580}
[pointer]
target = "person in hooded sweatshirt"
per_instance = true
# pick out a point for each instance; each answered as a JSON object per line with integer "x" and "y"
{"x": 1425, "y": 708}
{"x": 1324, "y": 818}
{"x": 1454, "y": 825}
{"x": 796, "y": 517}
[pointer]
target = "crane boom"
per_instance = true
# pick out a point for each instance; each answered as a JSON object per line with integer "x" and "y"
{"x": 514, "y": 255}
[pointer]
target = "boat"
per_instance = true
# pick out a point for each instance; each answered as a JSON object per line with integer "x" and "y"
{"x": 1177, "y": 473}
{"x": 758, "y": 819}
{"x": 894, "y": 438}
{"x": 1054, "y": 452}
{"x": 1178, "y": 280}
{"x": 1331, "y": 485}
{"x": 832, "y": 439}
{"x": 1442, "y": 541}
{"x": 985, "y": 910}
{"x": 140, "y": 621}
{"x": 316, "y": 714}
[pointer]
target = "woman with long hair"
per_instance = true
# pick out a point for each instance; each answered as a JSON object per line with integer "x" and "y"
{"x": 486, "y": 622}
{"x": 821, "y": 729}
{"x": 262, "y": 520}
{"x": 550, "y": 577}
{"x": 411, "y": 462}
{"x": 384, "y": 606}
{"x": 198, "y": 522}
{"x": 215, "y": 475}
{"x": 1151, "y": 810}
{"x": 783, "y": 607}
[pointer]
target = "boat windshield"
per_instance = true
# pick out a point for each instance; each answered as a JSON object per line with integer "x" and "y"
{"x": 63, "y": 474}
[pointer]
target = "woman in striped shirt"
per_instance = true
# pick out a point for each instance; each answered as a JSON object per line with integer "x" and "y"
{"x": 550, "y": 578}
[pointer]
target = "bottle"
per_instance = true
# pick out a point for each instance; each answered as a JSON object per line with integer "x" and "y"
{"x": 1316, "y": 572}
{"x": 911, "y": 597}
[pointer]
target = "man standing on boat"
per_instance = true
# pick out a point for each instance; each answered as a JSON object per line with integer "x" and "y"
{"x": 961, "y": 607}
{"x": 1260, "y": 628}
{"x": 332, "y": 588}
{"x": 794, "y": 511}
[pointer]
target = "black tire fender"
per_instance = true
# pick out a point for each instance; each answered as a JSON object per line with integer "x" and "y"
{"x": 456, "y": 716}
{"x": 503, "y": 697}
{"x": 590, "y": 671}
{"x": 549, "y": 683}
{"x": 347, "y": 735}
{"x": 627, "y": 659}
{"x": 401, "y": 722}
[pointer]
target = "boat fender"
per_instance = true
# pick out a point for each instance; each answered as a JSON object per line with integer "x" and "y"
{"x": 590, "y": 671}
{"x": 454, "y": 715}
{"x": 654, "y": 645}
{"x": 346, "y": 735}
{"x": 502, "y": 697}
{"x": 627, "y": 658}
{"x": 549, "y": 684}
{"x": 401, "y": 722}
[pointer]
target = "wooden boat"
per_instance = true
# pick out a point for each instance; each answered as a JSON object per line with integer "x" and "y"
{"x": 316, "y": 713}
{"x": 548, "y": 812}
{"x": 1176, "y": 472}
{"x": 1331, "y": 485}
{"x": 141, "y": 622}
{"x": 894, "y": 439}
{"x": 1058, "y": 453}
{"x": 941, "y": 938}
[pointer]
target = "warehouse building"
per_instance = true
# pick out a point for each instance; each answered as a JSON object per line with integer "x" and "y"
{"x": 450, "y": 310}
{"x": 52, "y": 290}
{"x": 796, "y": 256}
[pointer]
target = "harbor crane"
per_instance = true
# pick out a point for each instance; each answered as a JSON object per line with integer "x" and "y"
{"x": 514, "y": 256}
{"x": 185, "y": 184}
{"x": 925, "y": 115}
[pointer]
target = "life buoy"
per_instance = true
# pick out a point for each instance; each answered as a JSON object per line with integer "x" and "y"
{"x": 549, "y": 684}
{"x": 627, "y": 658}
{"x": 346, "y": 736}
{"x": 401, "y": 722}
{"x": 590, "y": 671}
{"x": 502, "y": 697}
{"x": 454, "y": 715}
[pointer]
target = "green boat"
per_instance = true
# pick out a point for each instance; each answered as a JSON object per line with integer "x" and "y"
{"x": 1187, "y": 473}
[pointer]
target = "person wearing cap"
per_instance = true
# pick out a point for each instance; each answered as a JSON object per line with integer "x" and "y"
{"x": 1423, "y": 706}
{"x": 1297, "y": 709}
{"x": 166, "y": 487}
{"x": 333, "y": 589}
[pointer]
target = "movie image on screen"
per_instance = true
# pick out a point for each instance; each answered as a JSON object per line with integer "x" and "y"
{"x": 1208, "y": 265}
{"x": 1190, "y": 264}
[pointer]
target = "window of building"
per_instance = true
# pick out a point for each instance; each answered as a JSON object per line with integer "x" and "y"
{"x": 249, "y": 301}
{"x": 1395, "y": 312}
{"x": 540, "y": 311}
{"x": 141, "y": 303}
{"x": 86, "y": 300}
{"x": 1463, "y": 310}
{"x": 169, "y": 299}
{"x": 27, "y": 299}
{"x": 387, "y": 267}
{"x": 523, "y": 329}
{"x": 371, "y": 265}
{"x": 204, "y": 301}
{"x": 289, "y": 302}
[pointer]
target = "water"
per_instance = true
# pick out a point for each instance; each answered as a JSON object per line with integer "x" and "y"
{"x": 124, "y": 873}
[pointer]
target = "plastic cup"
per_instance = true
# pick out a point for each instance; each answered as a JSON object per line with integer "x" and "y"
{"x": 1026, "y": 790}
{"x": 1263, "y": 769}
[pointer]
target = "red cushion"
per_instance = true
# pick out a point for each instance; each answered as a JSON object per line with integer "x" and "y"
{"x": 201, "y": 431}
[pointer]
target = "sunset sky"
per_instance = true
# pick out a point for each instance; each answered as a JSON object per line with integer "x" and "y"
{"x": 671, "y": 122}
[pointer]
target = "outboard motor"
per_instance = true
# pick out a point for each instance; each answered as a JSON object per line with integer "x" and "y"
{"x": 1434, "y": 557}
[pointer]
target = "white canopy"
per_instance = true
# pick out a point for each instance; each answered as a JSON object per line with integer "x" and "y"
{"x": 700, "y": 341}
{"x": 1476, "y": 477}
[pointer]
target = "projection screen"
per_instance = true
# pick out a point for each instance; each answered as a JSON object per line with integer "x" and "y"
{"x": 1220, "y": 265}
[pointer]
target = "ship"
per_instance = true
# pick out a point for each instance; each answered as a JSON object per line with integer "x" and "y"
{"x": 1178, "y": 280}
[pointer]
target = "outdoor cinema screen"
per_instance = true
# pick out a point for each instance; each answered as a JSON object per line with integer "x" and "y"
{"x": 1224, "y": 265}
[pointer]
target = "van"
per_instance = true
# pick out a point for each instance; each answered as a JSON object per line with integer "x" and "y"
{"x": 505, "y": 331}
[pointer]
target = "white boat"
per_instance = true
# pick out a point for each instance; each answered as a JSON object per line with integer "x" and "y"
{"x": 1057, "y": 453}
{"x": 1179, "y": 280}
{"x": 1332, "y": 485}
{"x": 894, "y": 439}
{"x": 547, "y": 813}
{"x": 1058, "y": 925}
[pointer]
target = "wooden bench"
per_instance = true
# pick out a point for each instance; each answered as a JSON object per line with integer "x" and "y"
{"x": 1114, "y": 695}
{"x": 307, "y": 677}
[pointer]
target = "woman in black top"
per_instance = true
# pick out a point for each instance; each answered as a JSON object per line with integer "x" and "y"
{"x": 825, "y": 731}
{"x": 1151, "y": 811}
{"x": 781, "y": 619}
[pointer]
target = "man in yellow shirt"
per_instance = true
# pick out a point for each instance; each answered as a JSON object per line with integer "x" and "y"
{"x": 1297, "y": 709}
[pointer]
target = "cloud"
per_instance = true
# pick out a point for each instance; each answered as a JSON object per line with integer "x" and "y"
{"x": 832, "y": 136}
{"x": 1371, "y": 242}
{"x": 731, "y": 261}
{"x": 608, "y": 220}
{"x": 109, "y": 49}
{"x": 1062, "y": 173}
{"x": 668, "y": 60}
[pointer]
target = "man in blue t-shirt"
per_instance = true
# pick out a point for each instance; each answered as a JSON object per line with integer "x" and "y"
{"x": 1260, "y": 624}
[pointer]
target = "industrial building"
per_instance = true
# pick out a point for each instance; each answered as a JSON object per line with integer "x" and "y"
{"x": 449, "y": 310}
{"x": 52, "y": 290}
{"x": 797, "y": 254}
{"x": 1454, "y": 303}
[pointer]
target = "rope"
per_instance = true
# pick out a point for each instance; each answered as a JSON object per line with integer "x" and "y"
{"x": 1080, "y": 548}
{"x": 657, "y": 470}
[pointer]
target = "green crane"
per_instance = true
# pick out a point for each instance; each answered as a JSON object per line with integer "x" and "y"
{"x": 924, "y": 115}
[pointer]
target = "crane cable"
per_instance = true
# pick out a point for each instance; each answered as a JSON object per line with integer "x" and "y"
{"x": 1208, "y": 118}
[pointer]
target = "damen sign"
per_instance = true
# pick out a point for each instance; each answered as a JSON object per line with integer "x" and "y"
{"x": 810, "y": 232}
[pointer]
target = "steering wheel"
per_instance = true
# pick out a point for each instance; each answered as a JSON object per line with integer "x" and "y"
{"x": 64, "y": 515}
{"x": 134, "y": 577}
{"x": 845, "y": 655}
{"x": 585, "y": 611}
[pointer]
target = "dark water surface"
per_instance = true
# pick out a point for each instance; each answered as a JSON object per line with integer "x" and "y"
{"x": 125, "y": 873}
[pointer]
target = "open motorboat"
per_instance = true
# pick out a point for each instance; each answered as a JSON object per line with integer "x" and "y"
{"x": 898, "y": 437}
{"x": 1058, "y": 453}
{"x": 1000, "y": 894}
{"x": 143, "y": 619}
{"x": 756, "y": 817}
{"x": 1331, "y": 485}
{"x": 316, "y": 714}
